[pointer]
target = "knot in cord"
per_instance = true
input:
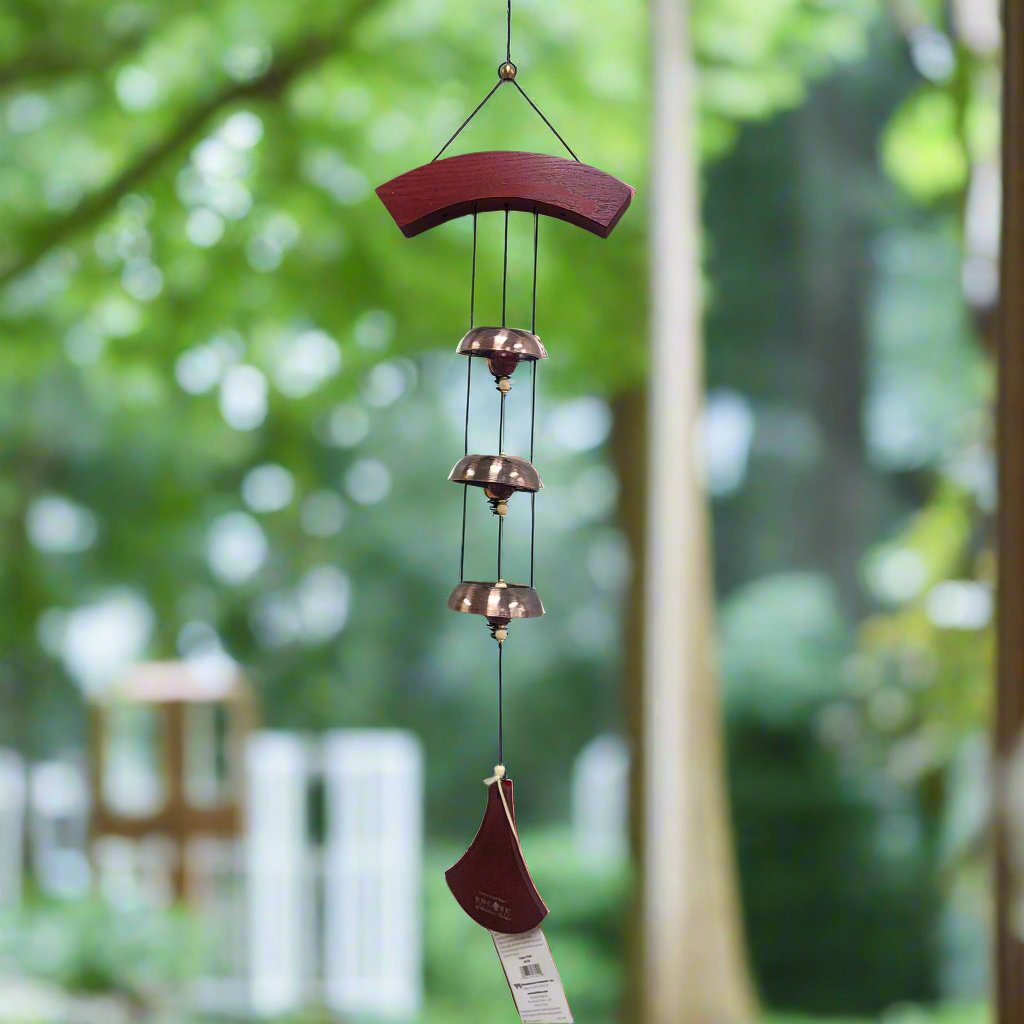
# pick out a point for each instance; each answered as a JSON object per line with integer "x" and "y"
{"x": 499, "y": 774}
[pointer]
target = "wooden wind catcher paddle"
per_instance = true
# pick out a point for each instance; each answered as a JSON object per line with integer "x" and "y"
{"x": 491, "y": 881}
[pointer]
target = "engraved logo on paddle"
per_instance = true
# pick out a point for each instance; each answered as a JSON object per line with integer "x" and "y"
{"x": 493, "y": 905}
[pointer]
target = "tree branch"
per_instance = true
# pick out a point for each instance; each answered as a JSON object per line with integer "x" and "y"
{"x": 302, "y": 57}
{"x": 29, "y": 66}
{"x": 50, "y": 62}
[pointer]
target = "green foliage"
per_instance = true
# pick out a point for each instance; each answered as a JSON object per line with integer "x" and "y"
{"x": 834, "y": 863}
{"x": 585, "y": 930}
{"x": 922, "y": 682}
{"x": 781, "y": 639}
{"x": 89, "y": 946}
{"x": 951, "y": 122}
{"x": 922, "y": 150}
{"x": 756, "y": 58}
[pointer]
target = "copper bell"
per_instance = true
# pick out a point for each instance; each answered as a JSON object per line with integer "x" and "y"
{"x": 504, "y": 348}
{"x": 499, "y": 603}
{"x": 499, "y": 475}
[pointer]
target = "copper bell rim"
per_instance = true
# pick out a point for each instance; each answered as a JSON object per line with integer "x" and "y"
{"x": 509, "y": 601}
{"x": 496, "y": 470}
{"x": 505, "y": 341}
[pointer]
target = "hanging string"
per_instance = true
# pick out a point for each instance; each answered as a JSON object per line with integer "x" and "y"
{"x": 533, "y": 399}
{"x": 540, "y": 113}
{"x": 504, "y": 303}
{"x": 472, "y": 279}
{"x": 501, "y": 534}
{"x": 497, "y": 85}
{"x": 504, "y": 271}
{"x": 533, "y": 308}
{"x": 472, "y": 321}
{"x": 533, "y": 494}
{"x": 476, "y": 110}
{"x": 469, "y": 384}
{"x": 501, "y": 449}
{"x": 501, "y": 406}
{"x": 501, "y": 710}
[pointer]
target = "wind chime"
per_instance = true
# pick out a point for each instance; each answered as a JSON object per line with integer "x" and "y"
{"x": 491, "y": 881}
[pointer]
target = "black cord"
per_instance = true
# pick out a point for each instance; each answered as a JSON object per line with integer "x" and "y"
{"x": 546, "y": 121}
{"x": 465, "y": 487}
{"x": 476, "y": 110}
{"x": 472, "y": 278}
{"x": 501, "y": 536}
{"x": 533, "y": 534}
{"x": 501, "y": 448}
{"x": 469, "y": 385}
{"x": 501, "y": 425}
{"x": 462, "y": 549}
{"x": 533, "y": 313}
{"x": 533, "y": 400}
{"x": 497, "y": 85}
{"x": 504, "y": 271}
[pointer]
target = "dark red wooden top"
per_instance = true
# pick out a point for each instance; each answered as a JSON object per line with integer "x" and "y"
{"x": 491, "y": 880}
{"x": 440, "y": 191}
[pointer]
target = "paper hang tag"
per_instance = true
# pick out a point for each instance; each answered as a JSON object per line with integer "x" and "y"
{"x": 532, "y": 977}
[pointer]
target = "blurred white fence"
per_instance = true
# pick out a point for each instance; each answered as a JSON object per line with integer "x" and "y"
{"x": 58, "y": 826}
{"x": 12, "y": 827}
{"x": 320, "y": 902}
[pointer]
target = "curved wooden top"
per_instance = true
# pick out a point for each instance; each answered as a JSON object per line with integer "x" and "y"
{"x": 442, "y": 190}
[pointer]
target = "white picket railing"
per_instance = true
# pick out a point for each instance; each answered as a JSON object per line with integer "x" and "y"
{"x": 279, "y": 895}
{"x": 12, "y": 827}
{"x": 373, "y": 865}
{"x": 58, "y": 825}
{"x": 301, "y": 919}
{"x": 361, "y": 956}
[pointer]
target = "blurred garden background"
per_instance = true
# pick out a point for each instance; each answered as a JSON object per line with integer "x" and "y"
{"x": 229, "y": 401}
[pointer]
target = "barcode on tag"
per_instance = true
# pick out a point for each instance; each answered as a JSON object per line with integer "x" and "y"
{"x": 532, "y": 977}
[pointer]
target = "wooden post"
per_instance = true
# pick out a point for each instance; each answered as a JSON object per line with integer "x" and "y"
{"x": 171, "y": 688}
{"x": 694, "y": 964}
{"x": 1009, "y": 972}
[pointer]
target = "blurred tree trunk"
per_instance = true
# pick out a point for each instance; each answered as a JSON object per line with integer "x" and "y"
{"x": 1009, "y": 966}
{"x": 834, "y": 136}
{"x": 844, "y": 501}
{"x": 628, "y": 443}
{"x": 691, "y": 949}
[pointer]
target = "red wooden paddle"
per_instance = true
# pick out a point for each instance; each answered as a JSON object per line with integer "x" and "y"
{"x": 491, "y": 880}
